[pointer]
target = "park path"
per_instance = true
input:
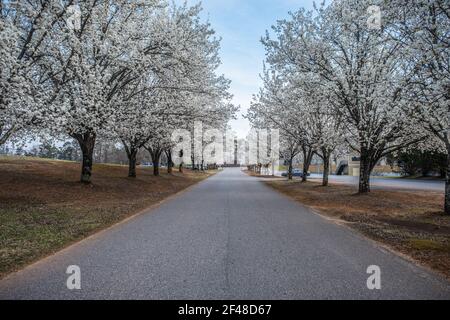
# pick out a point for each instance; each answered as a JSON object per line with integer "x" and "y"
{"x": 229, "y": 237}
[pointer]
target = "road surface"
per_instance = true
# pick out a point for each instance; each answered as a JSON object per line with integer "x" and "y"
{"x": 388, "y": 183}
{"x": 229, "y": 237}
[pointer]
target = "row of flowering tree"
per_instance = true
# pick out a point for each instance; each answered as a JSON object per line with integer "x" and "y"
{"x": 373, "y": 76}
{"x": 128, "y": 70}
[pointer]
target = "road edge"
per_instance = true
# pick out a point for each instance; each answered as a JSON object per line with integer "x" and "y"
{"x": 381, "y": 246}
{"x": 98, "y": 233}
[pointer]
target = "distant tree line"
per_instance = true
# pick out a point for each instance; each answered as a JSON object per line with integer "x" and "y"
{"x": 104, "y": 152}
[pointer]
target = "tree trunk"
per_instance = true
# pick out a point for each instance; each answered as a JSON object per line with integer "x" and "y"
{"x": 4, "y": 136}
{"x": 326, "y": 168}
{"x": 106, "y": 159}
{"x": 99, "y": 153}
{"x": 156, "y": 168}
{"x": 447, "y": 184}
{"x": 132, "y": 163}
{"x": 180, "y": 168}
{"x": 156, "y": 156}
{"x": 290, "y": 169}
{"x": 169, "y": 161}
{"x": 131, "y": 152}
{"x": 87, "y": 144}
{"x": 365, "y": 170}
{"x": 307, "y": 158}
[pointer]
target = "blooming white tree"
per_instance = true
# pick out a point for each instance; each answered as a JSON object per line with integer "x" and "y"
{"x": 276, "y": 107}
{"x": 305, "y": 116}
{"x": 90, "y": 65}
{"x": 360, "y": 66}
{"x": 25, "y": 27}
{"x": 424, "y": 28}
{"x": 322, "y": 125}
{"x": 183, "y": 88}
{"x": 96, "y": 72}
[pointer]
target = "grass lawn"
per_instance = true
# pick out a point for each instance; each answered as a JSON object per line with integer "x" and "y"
{"x": 44, "y": 208}
{"x": 411, "y": 223}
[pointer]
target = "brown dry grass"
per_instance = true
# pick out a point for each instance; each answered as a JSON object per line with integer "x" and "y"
{"x": 412, "y": 223}
{"x": 43, "y": 207}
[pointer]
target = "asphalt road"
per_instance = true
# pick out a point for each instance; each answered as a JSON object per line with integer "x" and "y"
{"x": 229, "y": 237}
{"x": 388, "y": 183}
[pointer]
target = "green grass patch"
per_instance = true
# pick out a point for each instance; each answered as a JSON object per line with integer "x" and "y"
{"x": 427, "y": 244}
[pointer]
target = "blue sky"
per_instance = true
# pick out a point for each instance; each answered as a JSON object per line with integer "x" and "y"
{"x": 241, "y": 24}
